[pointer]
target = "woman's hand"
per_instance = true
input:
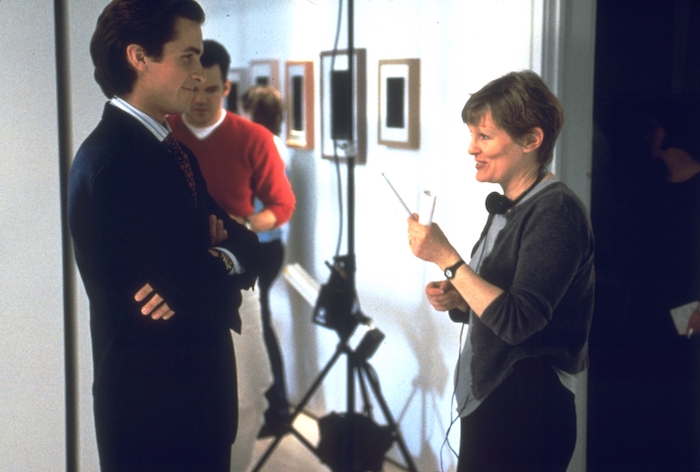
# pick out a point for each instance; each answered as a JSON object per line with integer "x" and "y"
{"x": 430, "y": 244}
{"x": 444, "y": 297}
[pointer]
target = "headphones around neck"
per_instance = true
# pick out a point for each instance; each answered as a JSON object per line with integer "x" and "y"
{"x": 498, "y": 204}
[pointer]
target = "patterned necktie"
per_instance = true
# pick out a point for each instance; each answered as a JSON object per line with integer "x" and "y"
{"x": 183, "y": 161}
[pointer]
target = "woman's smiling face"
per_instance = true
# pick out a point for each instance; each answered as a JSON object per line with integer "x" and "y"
{"x": 498, "y": 158}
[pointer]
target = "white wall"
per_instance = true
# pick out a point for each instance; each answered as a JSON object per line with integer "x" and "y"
{"x": 31, "y": 312}
{"x": 462, "y": 44}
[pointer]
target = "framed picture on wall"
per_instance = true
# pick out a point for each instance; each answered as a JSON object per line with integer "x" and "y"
{"x": 343, "y": 114}
{"x": 399, "y": 103}
{"x": 265, "y": 72}
{"x": 299, "y": 84}
{"x": 239, "y": 84}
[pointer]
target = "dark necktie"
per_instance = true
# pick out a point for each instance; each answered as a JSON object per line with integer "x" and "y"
{"x": 183, "y": 161}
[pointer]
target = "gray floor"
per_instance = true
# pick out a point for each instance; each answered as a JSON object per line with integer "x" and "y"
{"x": 290, "y": 455}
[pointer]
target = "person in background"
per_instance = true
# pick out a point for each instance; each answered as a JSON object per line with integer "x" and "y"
{"x": 162, "y": 263}
{"x": 527, "y": 292}
{"x": 262, "y": 104}
{"x": 648, "y": 371}
{"x": 241, "y": 164}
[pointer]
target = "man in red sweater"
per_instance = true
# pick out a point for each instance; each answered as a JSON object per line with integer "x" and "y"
{"x": 240, "y": 163}
{"x": 238, "y": 158}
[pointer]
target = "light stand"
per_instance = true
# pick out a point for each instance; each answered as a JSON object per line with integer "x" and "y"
{"x": 351, "y": 442}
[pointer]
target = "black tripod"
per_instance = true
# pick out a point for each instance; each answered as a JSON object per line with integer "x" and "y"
{"x": 350, "y": 442}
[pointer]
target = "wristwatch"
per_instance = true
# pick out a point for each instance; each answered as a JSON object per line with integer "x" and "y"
{"x": 452, "y": 270}
{"x": 226, "y": 260}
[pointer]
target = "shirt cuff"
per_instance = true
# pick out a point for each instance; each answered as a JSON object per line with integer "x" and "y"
{"x": 237, "y": 267}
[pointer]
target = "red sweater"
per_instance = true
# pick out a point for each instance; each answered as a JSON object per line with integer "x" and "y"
{"x": 240, "y": 161}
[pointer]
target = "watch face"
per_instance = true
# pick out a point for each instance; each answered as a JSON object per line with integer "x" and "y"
{"x": 450, "y": 271}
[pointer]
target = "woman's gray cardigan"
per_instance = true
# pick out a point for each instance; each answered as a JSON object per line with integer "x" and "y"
{"x": 543, "y": 260}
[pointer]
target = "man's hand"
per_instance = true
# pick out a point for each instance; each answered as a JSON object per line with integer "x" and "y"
{"x": 263, "y": 221}
{"x": 156, "y": 306}
{"x": 217, "y": 233}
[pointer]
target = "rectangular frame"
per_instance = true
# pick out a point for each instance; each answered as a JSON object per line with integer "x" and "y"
{"x": 299, "y": 85}
{"x": 265, "y": 72}
{"x": 238, "y": 77}
{"x": 399, "y": 103}
{"x": 355, "y": 105}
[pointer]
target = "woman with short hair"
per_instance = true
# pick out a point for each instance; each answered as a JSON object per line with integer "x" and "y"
{"x": 527, "y": 293}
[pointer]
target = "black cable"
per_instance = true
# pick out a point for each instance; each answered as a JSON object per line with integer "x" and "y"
{"x": 336, "y": 160}
{"x": 482, "y": 241}
{"x": 446, "y": 441}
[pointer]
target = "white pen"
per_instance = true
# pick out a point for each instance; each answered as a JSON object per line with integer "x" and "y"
{"x": 410, "y": 213}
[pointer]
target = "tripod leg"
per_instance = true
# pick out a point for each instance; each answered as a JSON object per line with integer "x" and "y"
{"x": 312, "y": 390}
{"x": 367, "y": 405}
{"x": 270, "y": 449}
{"x": 366, "y": 368}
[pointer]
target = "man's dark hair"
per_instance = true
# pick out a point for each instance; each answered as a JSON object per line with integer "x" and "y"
{"x": 215, "y": 53}
{"x": 148, "y": 23}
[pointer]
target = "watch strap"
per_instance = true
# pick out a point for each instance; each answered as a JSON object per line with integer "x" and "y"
{"x": 452, "y": 270}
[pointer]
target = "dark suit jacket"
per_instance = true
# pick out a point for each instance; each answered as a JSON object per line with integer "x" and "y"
{"x": 160, "y": 387}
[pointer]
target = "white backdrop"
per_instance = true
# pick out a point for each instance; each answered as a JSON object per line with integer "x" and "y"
{"x": 461, "y": 43}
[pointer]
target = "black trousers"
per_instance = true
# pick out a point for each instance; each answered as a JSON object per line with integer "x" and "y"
{"x": 273, "y": 256}
{"x": 527, "y": 424}
{"x": 202, "y": 458}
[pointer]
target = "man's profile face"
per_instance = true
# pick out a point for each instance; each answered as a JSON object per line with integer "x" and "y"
{"x": 206, "y": 102}
{"x": 169, "y": 81}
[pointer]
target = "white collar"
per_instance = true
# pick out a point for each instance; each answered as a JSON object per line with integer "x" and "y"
{"x": 159, "y": 130}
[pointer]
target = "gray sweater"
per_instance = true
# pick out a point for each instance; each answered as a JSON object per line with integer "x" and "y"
{"x": 543, "y": 260}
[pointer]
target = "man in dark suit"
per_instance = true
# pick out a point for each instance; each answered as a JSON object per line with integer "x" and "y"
{"x": 162, "y": 264}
